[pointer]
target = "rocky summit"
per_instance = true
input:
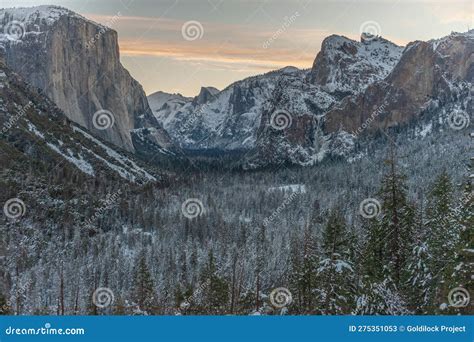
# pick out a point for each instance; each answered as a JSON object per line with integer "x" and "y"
{"x": 76, "y": 63}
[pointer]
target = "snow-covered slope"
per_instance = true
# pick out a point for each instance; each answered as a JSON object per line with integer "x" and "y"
{"x": 346, "y": 66}
{"x": 76, "y": 63}
{"x": 34, "y": 129}
{"x": 163, "y": 104}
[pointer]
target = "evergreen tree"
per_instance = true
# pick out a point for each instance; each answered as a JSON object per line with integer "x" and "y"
{"x": 397, "y": 224}
{"x": 458, "y": 286}
{"x": 335, "y": 269}
{"x": 144, "y": 289}
{"x": 303, "y": 275}
{"x": 380, "y": 298}
{"x": 215, "y": 296}
{"x": 420, "y": 279}
{"x": 441, "y": 240}
{"x": 373, "y": 255}
{"x": 441, "y": 222}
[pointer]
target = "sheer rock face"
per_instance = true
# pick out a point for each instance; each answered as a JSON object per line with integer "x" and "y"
{"x": 75, "y": 62}
{"x": 428, "y": 73}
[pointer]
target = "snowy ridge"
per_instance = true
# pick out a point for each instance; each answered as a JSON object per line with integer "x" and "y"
{"x": 345, "y": 65}
{"x": 80, "y": 156}
{"x": 232, "y": 118}
{"x": 127, "y": 169}
{"x": 440, "y": 42}
{"x": 238, "y": 118}
{"x": 32, "y": 17}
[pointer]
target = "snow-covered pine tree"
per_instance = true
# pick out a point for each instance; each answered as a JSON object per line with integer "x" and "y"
{"x": 442, "y": 235}
{"x": 459, "y": 284}
{"x": 335, "y": 273}
{"x": 303, "y": 276}
{"x": 464, "y": 269}
{"x": 215, "y": 289}
{"x": 373, "y": 254}
{"x": 144, "y": 294}
{"x": 397, "y": 223}
{"x": 379, "y": 298}
{"x": 419, "y": 283}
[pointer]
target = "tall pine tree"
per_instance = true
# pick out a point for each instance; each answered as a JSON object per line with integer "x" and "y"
{"x": 144, "y": 294}
{"x": 335, "y": 271}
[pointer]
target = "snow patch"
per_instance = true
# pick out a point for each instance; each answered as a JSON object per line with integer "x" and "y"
{"x": 80, "y": 163}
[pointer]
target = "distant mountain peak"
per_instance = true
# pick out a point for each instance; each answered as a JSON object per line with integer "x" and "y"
{"x": 205, "y": 94}
{"x": 347, "y": 66}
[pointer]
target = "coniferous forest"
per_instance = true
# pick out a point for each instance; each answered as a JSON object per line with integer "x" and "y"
{"x": 376, "y": 236}
{"x": 341, "y": 189}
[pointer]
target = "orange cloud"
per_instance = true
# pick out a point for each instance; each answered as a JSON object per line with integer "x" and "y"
{"x": 228, "y": 46}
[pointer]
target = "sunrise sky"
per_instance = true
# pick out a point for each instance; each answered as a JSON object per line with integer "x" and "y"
{"x": 240, "y": 38}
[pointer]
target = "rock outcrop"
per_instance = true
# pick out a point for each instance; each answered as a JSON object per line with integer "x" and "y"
{"x": 429, "y": 74}
{"x": 344, "y": 66}
{"x": 76, "y": 63}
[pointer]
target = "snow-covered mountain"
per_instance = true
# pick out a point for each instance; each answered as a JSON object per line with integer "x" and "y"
{"x": 233, "y": 119}
{"x": 163, "y": 104}
{"x": 76, "y": 63}
{"x": 302, "y": 116}
{"x": 285, "y": 116}
{"x": 344, "y": 66}
{"x": 276, "y": 117}
{"x": 434, "y": 77}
